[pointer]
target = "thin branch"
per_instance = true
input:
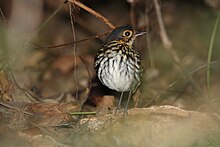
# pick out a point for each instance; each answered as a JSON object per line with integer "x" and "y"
{"x": 163, "y": 33}
{"x": 210, "y": 54}
{"x": 71, "y": 43}
{"x": 3, "y": 16}
{"x": 168, "y": 46}
{"x": 83, "y": 113}
{"x": 96, "y": 14}
{"x": 189, "y": 74}
{"x": 59, "y": 137}
{"x": 90, "y": 80}
{"x": 46, "y": 22}
{"x": 33, "y": 98}
{"x": 72, "y": 20}
{"x": 148, "y": 38}
{"x": 133, "y": 14}
{"x": 15, "y": 108}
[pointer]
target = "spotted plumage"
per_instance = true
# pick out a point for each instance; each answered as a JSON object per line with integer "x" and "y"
{"x": 117, "y": 62}
{"x": 118, "y": 66}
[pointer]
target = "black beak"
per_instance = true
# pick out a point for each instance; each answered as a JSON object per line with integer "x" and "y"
{"x": 139, "y": 33}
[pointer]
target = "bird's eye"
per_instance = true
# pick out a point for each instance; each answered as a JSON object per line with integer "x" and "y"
{"x": 127, "y": 33}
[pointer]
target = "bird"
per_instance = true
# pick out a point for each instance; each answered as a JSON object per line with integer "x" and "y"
{"x": 118, "y": 64}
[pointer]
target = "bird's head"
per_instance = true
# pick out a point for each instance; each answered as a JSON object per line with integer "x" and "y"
{"x": 124, "y": 34}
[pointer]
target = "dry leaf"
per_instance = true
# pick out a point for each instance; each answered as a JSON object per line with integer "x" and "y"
{"x": 54, "y": 120}
{"x": 65, "y": 64}
{"x": 52, "y": 109}
{"x": 29, "y": 134}
{"x": 107, "y": 101}
{"x": 6, "y": 87}
{"x": 51, "y": 114}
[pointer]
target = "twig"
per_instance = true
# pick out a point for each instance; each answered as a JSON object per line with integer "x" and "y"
{"x": 12, "y": 107}
{"x": 168, "y": 46}
{"x": 71, "y": 43}
{"x": 136, "y": 98}
{"x": 72, "y": 20}
{"x": 46, "y": 22}
{"x": 33, "y": 98}
{"x": 83, "y": 113}
{"x": 178, "y": 80}
{"x": 163, "y": 33}
{"x": 58, "y": 137}
{"x": 96, "y": 14}
{"x": 148, "y": 39}
{"x": 133, "y": 14}
{"x": 3, "y": 16}
{"x": 210, "y": 54}
{"x": 90, "y": 80}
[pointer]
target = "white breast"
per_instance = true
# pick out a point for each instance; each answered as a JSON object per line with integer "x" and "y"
{"x": 118, "y": 75}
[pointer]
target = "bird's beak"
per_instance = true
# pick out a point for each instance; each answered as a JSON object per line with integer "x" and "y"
{"x": 139, "y": 33}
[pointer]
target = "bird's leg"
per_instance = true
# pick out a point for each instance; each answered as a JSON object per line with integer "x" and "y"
{"x": 129, "y": 97}
{"x": 119, "y": 103}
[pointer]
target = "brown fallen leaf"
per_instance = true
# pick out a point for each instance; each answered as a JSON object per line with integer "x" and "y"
{"x": 103, "y": 103}
{"x": 10, "y": 138}
{"x": 40, "y": 137}
{"x": 35, "y": 59}
{"x": 18, "y": 120}
{"x": 52, "y": 109}
{"x": 29, "y": 134}
{"x": 6, "y": 87}
{"x": 65, "y": 64}
{"x": 107, "y": 101}
{"x": 48, "y": 115}
{"x": 54, "y": 120}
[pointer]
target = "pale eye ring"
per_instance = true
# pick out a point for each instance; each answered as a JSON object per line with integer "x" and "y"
{"x": 127, "y": 33}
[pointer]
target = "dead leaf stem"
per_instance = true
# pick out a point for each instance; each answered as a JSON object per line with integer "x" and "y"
{"x": 93, "y": 12}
